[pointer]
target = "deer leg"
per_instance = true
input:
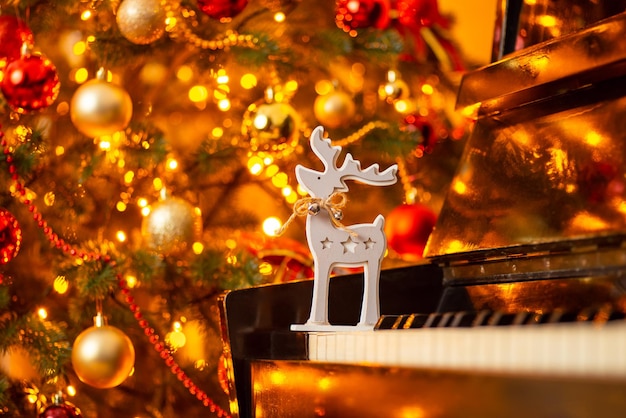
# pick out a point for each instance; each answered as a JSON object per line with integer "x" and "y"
{"x": 370, "y": 311}
{"x": 319, "y": 302}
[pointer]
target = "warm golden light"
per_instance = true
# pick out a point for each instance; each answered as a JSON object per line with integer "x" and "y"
{"x": 280, "y": 180}
{"x": 120, "y": 206}
{"x": 171, "y": 164}
{"x": 547, "y": 21}
{"x": 198, "y": 94}
{"x": 266, "y": 269}
{"x": 323, "y": 87}
{"x": 86, "y": 15}
{"x": 142, "y": 202}
{"x": 272, "y": 170}
{"x": 60, "y": 285}
{"x": 255, "y": 165}
{"x": 292, "y": 198}
{"x": 279, "y": 17}
{"x": 248, "y": 81}
{"x": 427, "y": 89}
{"x": 271, "y": 225}
{"x": 278, "y": 377}
{"x": 71, "y": 390}
{"x": 81, "y": 75}
{"x": 128, "y": 177}
{"x": 79, "y": 48}
{"x": 291, "y": 86}
{"x": 121, "y": 236}
{"x": 197, "y": 248}
{"x": 176, "y": 339}
{"x": 59, "y": 150}
{"x": 459, "y": 187}
{"x": 48, "y": 198}
{"x": 157, "y": 183}
{"x": 131, "y": 281}
{"x": 184, "y": 73}
{"x": 286, "y": 191}
{"x": 43, "y": 314}
{"x": 223, "y": 105}
{"x": 593, "y": 138}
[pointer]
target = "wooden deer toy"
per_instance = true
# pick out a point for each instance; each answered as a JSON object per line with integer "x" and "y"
{"x": 331, "y": 243}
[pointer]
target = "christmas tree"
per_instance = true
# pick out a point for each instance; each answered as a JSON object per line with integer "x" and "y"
{"x": 149, "y": 149}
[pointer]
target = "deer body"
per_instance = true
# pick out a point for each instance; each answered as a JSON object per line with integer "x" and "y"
{"x": 332, "y": 246}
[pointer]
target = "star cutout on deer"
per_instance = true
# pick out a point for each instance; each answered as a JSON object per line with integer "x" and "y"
{"x": 349, "y": 246}
{"x": 361, "y": 244}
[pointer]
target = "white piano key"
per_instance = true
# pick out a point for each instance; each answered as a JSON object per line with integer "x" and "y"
{"x": 568, "y": 348}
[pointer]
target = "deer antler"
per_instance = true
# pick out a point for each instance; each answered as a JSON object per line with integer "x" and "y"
{"x": 322, "y": 147}
{"x": 351, "y": 170}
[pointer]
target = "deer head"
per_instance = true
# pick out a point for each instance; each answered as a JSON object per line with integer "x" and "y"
{"x": 333, "y": 178}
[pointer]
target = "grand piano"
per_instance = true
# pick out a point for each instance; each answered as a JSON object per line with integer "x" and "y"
{"x": 518, "y": 308}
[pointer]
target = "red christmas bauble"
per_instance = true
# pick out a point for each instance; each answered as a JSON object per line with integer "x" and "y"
{"x": 13, "y": 34}
{"x": 359, "y": 14}
{"x": 222, "y": 9}
{"x": 407, "y": 228}
{"x": 419, "y": 13}
{"x": 62, "y": 410}
{"x": 10, "y": 236}
{"x": 30, "y": 83}
{"x": 423, "y": 125}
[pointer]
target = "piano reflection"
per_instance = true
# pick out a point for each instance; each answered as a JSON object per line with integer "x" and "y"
{"x": 518, "y": 309}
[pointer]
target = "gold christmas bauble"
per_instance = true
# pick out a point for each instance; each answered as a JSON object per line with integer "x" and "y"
{"x": 103, "y": 356}
{"x": 100, "y": 108}
{"x": 394, "y": 90}
{"x": 334, "y": 109}
{"x": 271, "y": 127}
{"x": 141, "y": 21}
{"x": 172, "y": 226}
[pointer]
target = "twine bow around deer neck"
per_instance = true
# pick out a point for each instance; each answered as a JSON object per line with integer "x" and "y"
{"x": 333, "y": 204}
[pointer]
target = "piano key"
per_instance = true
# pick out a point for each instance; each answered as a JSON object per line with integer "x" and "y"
{"x": 583, "y": 348}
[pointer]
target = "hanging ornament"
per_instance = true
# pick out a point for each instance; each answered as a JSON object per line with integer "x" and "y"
{"x": 359, "y": 14}
{"x": 393, "y": 89}
{"x": 13, "y": 34}
{"x": 408, "y": 227}
{"x": 271, "y": 126}
{"x": 222, "y": 9}
{"x": 60, "y": 409}
{"x": 289, "y": 259}
{"x": 10, "y": 236}
{"x": 419, "y": 13}
{"x": 30, "y": 83}
{"x": 334, "y": 109}
{"x": 141, "y": 21}
{"x": 102, "y": 355}
{"x": 171, "y": 227}
{"x": 100, "y": 108}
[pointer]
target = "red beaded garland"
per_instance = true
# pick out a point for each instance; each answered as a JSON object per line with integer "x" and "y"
{"x": 150, "y": 332}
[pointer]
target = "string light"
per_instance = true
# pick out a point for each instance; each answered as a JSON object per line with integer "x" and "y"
{"x": 271, "y": 225}
{"x": 60, "y": 285}
{"x": 43, "y": 314}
